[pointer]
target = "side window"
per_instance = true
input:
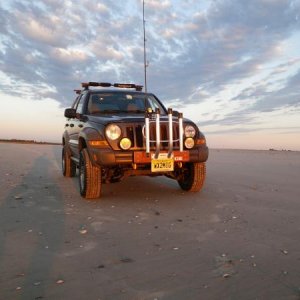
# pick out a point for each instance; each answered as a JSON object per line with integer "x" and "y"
{"x": 76, "y": 102}
{"x": 79, "y": 108}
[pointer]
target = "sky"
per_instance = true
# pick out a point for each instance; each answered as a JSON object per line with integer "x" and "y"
{"x": 231, "y": 66}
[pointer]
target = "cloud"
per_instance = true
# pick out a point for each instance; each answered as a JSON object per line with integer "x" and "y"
{"x": 37, "y": 31}
{"x": 280, "y": 130}
{"x": 196, "y": 50}
{"x": 68, "y": 56}
{"x": 288, "y": 96}
{"x": 158, "y": 5}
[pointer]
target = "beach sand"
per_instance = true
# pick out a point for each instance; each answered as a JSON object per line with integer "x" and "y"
{"x": 145, "y": 238}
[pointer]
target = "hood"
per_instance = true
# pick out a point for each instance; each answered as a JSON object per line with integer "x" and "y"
{"x": 125, "y": 118}
{"x": 117, "y": 118}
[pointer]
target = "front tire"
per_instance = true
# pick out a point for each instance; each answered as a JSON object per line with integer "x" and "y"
{"x": 89, "y": 177}
{"x": 67, "y": 164}
{"x": 192, "y": 177}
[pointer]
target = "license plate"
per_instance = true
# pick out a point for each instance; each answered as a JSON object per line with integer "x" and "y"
{"x": 162, "y": 165}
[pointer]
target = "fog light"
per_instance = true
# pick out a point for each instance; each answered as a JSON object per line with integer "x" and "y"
{"x": 189, "y": 143}
{"x": 125, "y": 143}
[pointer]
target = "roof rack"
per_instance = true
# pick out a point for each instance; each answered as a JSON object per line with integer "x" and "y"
{"x": 86, "y": 85}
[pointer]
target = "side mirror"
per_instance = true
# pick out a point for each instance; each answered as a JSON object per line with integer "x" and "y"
{"x": 70, "y": 113}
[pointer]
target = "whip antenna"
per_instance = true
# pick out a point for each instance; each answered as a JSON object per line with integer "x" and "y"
{"x": 145, "y": 55}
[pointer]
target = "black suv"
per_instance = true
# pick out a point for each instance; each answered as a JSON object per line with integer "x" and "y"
{"x": 116, "y": 130}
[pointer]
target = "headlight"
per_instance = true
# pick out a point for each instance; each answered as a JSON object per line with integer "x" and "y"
{"x": 189, "y": 131}
{"x": 113, "y": 132}
{"x": 189, "y": 143}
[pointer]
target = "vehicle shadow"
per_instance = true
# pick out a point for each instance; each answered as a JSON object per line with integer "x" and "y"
{"x": 141, "y": 189}
{"x": 32, "y": 231}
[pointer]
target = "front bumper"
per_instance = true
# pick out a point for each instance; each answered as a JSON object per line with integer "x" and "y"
{"x": 109, "y": 158}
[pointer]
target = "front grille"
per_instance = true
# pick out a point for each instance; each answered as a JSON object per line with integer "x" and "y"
{"x": 139, "y": 141}
{"x": 136, "y": 133}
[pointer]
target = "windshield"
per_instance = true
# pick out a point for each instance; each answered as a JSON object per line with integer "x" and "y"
{"x": 123, "y": 102}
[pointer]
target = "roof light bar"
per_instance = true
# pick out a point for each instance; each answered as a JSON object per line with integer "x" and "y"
{"x": 86, "y": 85}
{"x": 139, "y": 87}
{"x": 92, "y": 83}
{"x": 124, "y": 85}
{"x": 128, "y": 86}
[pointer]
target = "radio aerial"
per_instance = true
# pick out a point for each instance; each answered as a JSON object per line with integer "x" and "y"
{"x": 145, "y": 54}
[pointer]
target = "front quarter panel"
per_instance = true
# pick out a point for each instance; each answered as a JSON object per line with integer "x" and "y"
{"x": 92, "y": 134}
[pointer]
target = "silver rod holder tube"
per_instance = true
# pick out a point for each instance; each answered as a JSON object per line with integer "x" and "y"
{"x": 170, "y": 123}
{"x": 147, "y": 133}
{"x": 180, "y": 121}
{"x": 157, "y": 121}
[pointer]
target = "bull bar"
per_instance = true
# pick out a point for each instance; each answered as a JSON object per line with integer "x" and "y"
{"x": 158, "y": 141}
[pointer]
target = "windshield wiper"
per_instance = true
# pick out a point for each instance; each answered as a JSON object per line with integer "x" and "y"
{"x": 112, "y": 111}
{"x": 136, "y": 111}
{"x": 118, "y": 111}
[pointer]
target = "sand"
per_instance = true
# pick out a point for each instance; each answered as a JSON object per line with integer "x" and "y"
{"x": 146, "y": 239}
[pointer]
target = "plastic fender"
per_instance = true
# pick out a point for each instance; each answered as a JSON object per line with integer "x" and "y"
{"x": 91, "y": 134}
